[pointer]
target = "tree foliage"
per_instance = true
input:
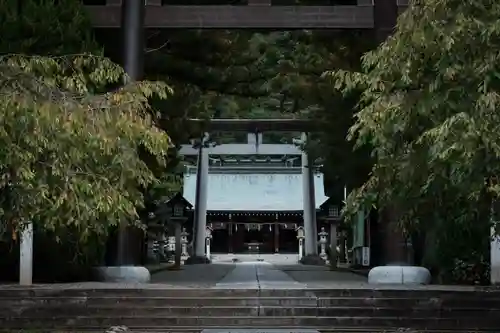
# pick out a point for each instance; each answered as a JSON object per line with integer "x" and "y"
{"x": 248, "y": 74}
{"x": 71, "y": 139}
{"x": 429, "y": 110}
{"x": 70, "y": 157}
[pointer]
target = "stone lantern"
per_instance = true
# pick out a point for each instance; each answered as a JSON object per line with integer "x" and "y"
{"x": 322, "y": 242}
{"x": 177, "y": 210}
{"x": 300, "y": 237}
{"x": 331, "y": 214}
{"x": 208, "y": 239}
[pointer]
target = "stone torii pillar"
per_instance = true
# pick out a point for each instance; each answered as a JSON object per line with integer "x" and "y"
{"x": 199, "y": 255}
{"x": 311, "y": 256}
{"x": 132, "y": 25}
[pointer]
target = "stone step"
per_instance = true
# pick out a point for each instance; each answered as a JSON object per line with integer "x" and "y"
{"x": 161, "y": 291}
{"x": 8, "y": 302}
{"x": 160, "y": 309}
{"x": 111, "y": 311}
{"x": 190, "y": 329}
{"x": 471, "y": 323}
{"x": 441, "y": 302}
{"x": 286, "y": 330}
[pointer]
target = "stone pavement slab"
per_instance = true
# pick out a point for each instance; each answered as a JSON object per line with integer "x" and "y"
{"x": 270, "y": 277}
{"x": 243, "y": 276}
{"x": 258, "y": 275}
{"x": 323, "y": 278}
{"x": 202, "y": 276}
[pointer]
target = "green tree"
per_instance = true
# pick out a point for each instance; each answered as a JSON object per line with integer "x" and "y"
{"x": 78, "y": 148}
{"x": 429, "y": 110}
{"x": 71, "y": 150}
{"x": 69, "y": 157}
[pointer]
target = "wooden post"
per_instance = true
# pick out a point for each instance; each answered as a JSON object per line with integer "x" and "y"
{"x": 276, "y": 237}
{"x": 230, "y": 237}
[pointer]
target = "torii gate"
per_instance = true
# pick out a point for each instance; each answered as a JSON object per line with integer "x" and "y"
{"x": 133, "y": 23}
{"x": 253, "y": 126}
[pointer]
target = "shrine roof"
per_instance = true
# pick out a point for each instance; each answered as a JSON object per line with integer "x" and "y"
{"x": 254, "y": 191}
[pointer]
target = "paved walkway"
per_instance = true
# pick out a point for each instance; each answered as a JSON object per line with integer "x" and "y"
{"x": 257, "y": 272}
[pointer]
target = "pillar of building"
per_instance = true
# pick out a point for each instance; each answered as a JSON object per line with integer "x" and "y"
{"x": 276, "y": 237}
{"x": 311, "y": 256}
{"x": 230, "y": 236}
{"x": 199, "y": 256}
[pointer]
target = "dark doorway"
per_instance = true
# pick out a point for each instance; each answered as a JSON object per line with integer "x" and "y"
{"x": 288, "y": 242}
{"x": 220, "y": 241}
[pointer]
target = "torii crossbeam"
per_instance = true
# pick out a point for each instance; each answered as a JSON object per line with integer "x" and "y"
{"x": 253, "y": 125}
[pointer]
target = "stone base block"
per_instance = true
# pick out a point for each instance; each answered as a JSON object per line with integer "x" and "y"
{"x": 130, "y": 274}
{"x": 312, "y": 260}
{"x": 194, "y": 260}
{"x": 399, "y": 275}
{"x": 495, "y": 274}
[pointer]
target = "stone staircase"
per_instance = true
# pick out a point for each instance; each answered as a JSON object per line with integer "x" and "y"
{"x": 157, "y": 309}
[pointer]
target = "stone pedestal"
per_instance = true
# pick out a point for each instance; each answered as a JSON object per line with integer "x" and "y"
{"x": 312, "y": 260}
{"x": 194, "y": 260}
{"x": 128, "y": 274}
{"x": 399, "y": 275}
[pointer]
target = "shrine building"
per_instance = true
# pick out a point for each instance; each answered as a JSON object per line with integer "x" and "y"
{"x": 255, "y": 195}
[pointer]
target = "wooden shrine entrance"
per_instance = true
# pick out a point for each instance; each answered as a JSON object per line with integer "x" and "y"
{"x": 254, "y": 234}
{"x": 260, "y": 238}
